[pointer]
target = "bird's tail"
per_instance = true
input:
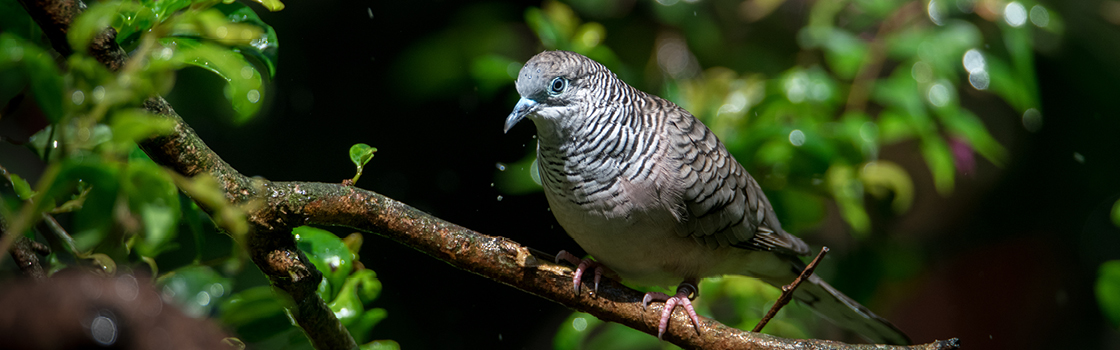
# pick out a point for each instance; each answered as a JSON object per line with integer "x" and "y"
{"x": 843, "y": 311}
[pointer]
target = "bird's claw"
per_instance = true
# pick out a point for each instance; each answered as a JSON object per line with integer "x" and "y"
{"x": 582, "y": 265}
{"x": 684, "y": 291}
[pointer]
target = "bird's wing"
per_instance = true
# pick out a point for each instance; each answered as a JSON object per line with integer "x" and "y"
{"x": 721, "y": 204}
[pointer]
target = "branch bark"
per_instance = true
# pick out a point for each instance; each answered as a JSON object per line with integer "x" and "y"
{"x": 290, "y": 204}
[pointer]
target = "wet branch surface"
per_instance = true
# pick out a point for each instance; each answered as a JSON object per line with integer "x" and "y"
{"x": 282, "y": 206}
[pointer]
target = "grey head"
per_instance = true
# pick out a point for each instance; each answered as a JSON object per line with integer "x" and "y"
{"x": 555, "y": 85}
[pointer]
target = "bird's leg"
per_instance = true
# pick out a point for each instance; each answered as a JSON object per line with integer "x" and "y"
{"x": 686, "y": 291}
{"x": 582, "y": 265}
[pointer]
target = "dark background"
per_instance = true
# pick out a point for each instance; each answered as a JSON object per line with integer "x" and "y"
{"x": 1009, "y": 259}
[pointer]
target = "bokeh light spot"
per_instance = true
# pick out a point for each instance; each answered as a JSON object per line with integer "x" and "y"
{"x": 1015, "y": 14}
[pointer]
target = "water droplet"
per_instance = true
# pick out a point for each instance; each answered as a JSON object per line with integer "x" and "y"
{"x": 103, "y": 330}
{"x": 938, "y": 95}
{"x": 253, "y": 96}
{"x": 246, "y": 72}
{"x": 921, "y": 72}
{"x": 202, "y": 298}
{"x": 535, "y": 173}
{"x": 98, "y": 93}
{"x": 579, "y": 323}
{"x": 221, "y": 32}
{"x": 979, "y": 79}
{"x": 1032, "y": 120}
{"x": 126, "y": 287}
{"x": 973, "y": 61}
{"x": 499, "y": 198}
{"x": 500, "y": 166}
{"x": 217, "y": 289}
{"x": 163, "y": 53}
{"x": 797, "y": 137}
{"x": 796, "y": 87}
{"x": 1015, "y": 14}
{"x": 1040, "y": 16}
{"x": 934, "y": 12}
{"x": 78, "y": 97}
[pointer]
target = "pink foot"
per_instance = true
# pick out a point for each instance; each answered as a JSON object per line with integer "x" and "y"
{"x": 684, "y": 290}
{"x": 582, "y": 265}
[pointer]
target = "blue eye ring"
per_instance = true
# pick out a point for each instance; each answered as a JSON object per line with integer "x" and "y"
{"x": 557, "y": 86}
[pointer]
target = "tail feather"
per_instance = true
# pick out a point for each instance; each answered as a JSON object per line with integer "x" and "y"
{"x": 847, "y": 313}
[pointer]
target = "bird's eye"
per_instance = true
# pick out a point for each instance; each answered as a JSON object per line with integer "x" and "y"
{"x": 557, "y": 86}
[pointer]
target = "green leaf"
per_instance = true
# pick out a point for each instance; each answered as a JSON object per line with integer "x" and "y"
{"x": 895, "y": 127}
{"x": 901, "y": 92}
{"x": 133, "y": 21}
{"x": 847, "y": 190}
{"x": 104, "y": 263}
{"x": 963, "y": 123}
{"x": 96, "y": 19}
{"x": 940, "y": 161}
{"x": 22, "y": 188}
{"x": 271, "y": 5}
{"x": 131, "y": 125}
{"x": 206, "y": 190}
{"x": 15, "y": 20}
{"x": 361, "y": 154}
{"x": 245, "y": 90}
{"x": 164, "y": 9}
{"x": 26, "y": 63}
{"x": 256, "y": 314}
{"x": 153, "y": 195}
{"x": 348, "y": 306}
{"x": 196, "y": 289}
{"x": 366, "y": 285}
{"x": 1108, "y": 291}
{"x": 266, "y": 46}
{"x": 328, "y": 253}
{"x": 380, "y": 345}
{"x": 1116, "y": 213}
{"x": 798, "y": 210}
{"x": 353, "y": 242}
{"x": 844, "y": 53}
{"x": 881, "y": 176}
{"x": 93, "y": 220}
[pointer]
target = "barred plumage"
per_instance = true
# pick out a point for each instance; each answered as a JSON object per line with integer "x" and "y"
{"x": 652, "y": 194}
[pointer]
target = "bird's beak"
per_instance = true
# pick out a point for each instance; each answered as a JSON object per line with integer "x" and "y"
{"x": 522, "y": 109}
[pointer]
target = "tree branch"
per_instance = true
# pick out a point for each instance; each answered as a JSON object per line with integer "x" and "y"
{"x": 291, "y": 204}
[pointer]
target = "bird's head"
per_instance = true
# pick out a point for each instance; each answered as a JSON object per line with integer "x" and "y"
{"x": 553, "y": 85}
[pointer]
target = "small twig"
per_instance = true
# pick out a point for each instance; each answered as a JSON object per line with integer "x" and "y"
{"x": 787, "y": 290}
{"x": 26, "y": 254}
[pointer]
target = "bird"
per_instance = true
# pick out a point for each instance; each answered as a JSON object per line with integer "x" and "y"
{"x": 655, "y": 198}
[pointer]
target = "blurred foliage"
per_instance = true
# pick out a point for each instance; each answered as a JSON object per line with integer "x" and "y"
{"x": 117, "y": 207}
{"x": 867, "y": 74}
{"x": 259, "y": 315}
{"x": 1108, "y": 291}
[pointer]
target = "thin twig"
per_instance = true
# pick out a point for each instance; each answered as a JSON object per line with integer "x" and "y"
{"x": 787, "y": 290}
